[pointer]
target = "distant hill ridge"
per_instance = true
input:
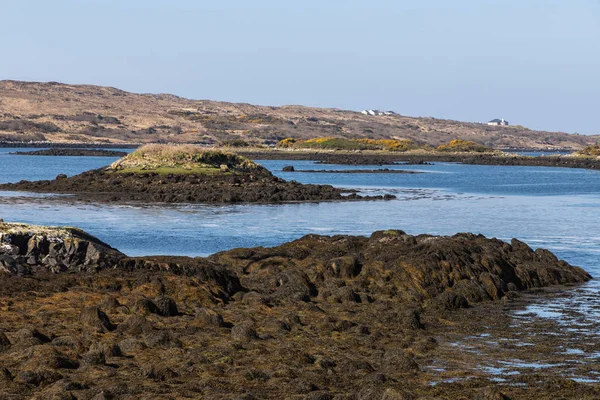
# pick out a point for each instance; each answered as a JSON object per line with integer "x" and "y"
{"x": 57, "y": 112}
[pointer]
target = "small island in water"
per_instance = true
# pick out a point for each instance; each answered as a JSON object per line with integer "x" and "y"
{"x": 186, "y": 174}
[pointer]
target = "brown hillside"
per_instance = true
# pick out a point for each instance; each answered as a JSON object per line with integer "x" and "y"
{"x": 31, "y": 111}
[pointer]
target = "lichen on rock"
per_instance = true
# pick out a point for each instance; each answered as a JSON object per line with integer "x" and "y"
{"x": 26, "y": 248}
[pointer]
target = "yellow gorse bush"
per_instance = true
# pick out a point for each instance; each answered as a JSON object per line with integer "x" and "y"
{"x": 332, "y": 143}
{"x": 349, "y": 144}
{"x": 591, "y": 150}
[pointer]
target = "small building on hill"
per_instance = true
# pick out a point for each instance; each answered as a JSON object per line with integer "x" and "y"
{"x": 377, "y": 112}
{"x": 498, "y": 122}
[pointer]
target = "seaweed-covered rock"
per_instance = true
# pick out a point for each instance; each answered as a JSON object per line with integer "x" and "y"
{"x": 96, "y": 318}
{"x": 452, "y": 271}
{"x": 343, "y": 316}
{"x": 167, "y": 307}
{"x": 4, "y": 342}
{"x": 244, "y": 332}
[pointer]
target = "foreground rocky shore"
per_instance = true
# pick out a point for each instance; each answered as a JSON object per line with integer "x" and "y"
{"x": 339, "y": 317}
{"x": 185, "y": 174}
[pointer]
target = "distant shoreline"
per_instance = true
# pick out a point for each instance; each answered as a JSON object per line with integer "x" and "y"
{"x": 368, "y": 157}
{"x": 45, "y": 145}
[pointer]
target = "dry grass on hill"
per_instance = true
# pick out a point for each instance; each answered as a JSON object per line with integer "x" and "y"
{"x": 33, "y": 111}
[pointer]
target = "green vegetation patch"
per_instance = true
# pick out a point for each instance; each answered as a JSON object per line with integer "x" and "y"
{"x": 183, "y": 159}
{"x": 172, "y": 170}
{"x": 395, "y": 145}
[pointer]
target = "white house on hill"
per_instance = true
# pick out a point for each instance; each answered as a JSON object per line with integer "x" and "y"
{"x": 377, "y": 112}
{"x": 498, "y": 122}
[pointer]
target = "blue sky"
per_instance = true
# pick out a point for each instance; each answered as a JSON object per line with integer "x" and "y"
{"x": 533, "y": 62}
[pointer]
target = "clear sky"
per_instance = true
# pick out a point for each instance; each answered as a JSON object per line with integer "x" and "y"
{"x": 533, "y": 62}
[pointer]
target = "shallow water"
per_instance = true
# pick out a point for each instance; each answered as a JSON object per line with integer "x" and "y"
{"x": 554, "y": 208}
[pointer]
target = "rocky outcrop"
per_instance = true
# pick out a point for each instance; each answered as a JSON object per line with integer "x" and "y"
{"x": 451, "y": 271}
{"x": 425, "y": 158}
{"x": 26, "y": 249}
{"x": 320, "y": 317}
{"x": 152, "y": 187}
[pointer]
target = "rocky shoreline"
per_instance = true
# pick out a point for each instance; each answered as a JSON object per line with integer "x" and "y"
{"x": 400, "y": 158}
{"x": 152, "y": 187}
{"x": 322, "y": 317}
{"x": 354, "y": 171}
{"x": 64, "y": 145}
{"x": 73, "y": 153}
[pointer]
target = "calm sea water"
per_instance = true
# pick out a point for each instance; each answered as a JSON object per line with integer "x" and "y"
{"x": 556, "y": 208}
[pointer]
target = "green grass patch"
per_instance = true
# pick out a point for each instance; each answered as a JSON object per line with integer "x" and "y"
{"x": 172, "y": 170}
{"x": 184, "y": 159}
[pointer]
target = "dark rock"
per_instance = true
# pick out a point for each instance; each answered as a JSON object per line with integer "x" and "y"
{"x": 107, "y": 348}
{"x": 398, "y": 360}
{"x": 452, "y": 301}
{"x": 157, "y": 372}
{"x": 30, "y": 249}
{"x": 96, "y": 318}
{"x": 4, "y": 342}
{"x": 232, "y": 187}
{"x": 326, "y": 363}
{"x": 412, "y": 320}
{"x": 166, "y": 306}
{"x": 344, "y": 267}
{"x": 131, "y": 345}
{"x": 319, "y": 395}
{"x": 61, "y": 177}
{"x": 135, "y": 325}
{"x": 353, "y": 366}
{"x": 393, "y": 394}
{"x": 109, "y": 303}
{"x": 253, "y": 297}
{"x": 490, "y": 393}
{"x": 94, "y": 357}
{"x": 157, "y": 338}
{"x": 288, "y": 168}
{"x": 6, "y": 376}
{"x": 209, "y": 317}
{"x": 345, "y": 295}
{"x": 145, "y": 306}
{"x": 243, "y": 332}
{"x": 48, "y": 357}
{"x": 66, "y": 341}
{"x": 256, "y": 375}
{"x": 103, "y": 395}
{"x": 30, "y": 337}
{"x": 39, "y": 377}
{"x": 294, "y": 285}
